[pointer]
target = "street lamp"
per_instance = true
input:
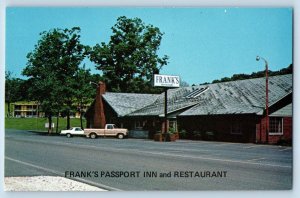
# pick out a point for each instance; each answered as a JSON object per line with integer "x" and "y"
{"x": 267, "y": 97}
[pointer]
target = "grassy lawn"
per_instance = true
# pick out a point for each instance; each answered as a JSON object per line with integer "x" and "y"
{"x": 38, "y": 124}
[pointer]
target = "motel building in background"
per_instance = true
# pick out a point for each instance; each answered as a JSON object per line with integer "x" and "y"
{"x": 31, "y": 109}
{"x": 232, "y": 111}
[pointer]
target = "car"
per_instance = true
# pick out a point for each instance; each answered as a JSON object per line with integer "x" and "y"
{"x": 72, "y": 132}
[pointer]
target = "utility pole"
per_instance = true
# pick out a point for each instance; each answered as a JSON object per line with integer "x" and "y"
{"x": 267, "y": 97}
{"x": 166, "y": 113}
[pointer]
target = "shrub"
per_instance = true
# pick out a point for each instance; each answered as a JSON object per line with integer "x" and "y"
{"x": 182, "y": 134}
{"x": 197, "y": 135}
{"x": 285, "y": 141}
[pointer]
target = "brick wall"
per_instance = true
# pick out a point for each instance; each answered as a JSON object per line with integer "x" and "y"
{"x": 287, "y": 131}
{"x": 273, "y": 139}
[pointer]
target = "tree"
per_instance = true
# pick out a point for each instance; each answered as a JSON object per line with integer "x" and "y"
{"x": 259, "y": 74}
{"x": 13, "y": 90}
{"x": 184, "y": 83}
{"x": 83, "y": 91}
{"x": 51, "y": 67}
{"x": 130, "y": 59}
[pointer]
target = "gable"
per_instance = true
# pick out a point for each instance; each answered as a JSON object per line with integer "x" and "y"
{"x": 286, "y": 111}
{"x": 125, "y": 103}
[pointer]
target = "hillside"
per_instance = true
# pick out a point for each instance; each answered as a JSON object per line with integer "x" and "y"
{"x": 287, "y": 70}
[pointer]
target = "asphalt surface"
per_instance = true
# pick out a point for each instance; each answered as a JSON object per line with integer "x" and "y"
{"x": 115, "y": 164}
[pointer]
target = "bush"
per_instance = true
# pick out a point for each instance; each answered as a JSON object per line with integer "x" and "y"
{"x": 172, "y": 130}
{"x": 182, "y": 134}
{"x": 197, "y": 135}
{"x": 170, "y": 137}
{"x": 285, "y": 142}
{"x": 209, "y": 135}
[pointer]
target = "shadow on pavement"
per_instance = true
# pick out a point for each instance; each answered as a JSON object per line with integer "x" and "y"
{"x": 44, "y": 133}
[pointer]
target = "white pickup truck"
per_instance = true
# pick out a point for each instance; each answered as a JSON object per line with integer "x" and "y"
{"x": 72, "y": 131}
{"x": 109, "y": 130}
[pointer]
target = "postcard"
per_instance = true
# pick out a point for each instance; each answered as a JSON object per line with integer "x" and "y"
{"x": 148, "y": 99}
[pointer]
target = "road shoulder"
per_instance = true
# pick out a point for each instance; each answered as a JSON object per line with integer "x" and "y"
{"x": 46, "y": 183}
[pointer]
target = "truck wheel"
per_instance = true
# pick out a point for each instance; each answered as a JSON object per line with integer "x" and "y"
{"x": 69, "y": 135}
{"x": 93, "y": 135}
{"x": 120, "y": 136}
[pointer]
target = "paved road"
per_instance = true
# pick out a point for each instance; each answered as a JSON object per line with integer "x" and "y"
{"x": 191, "y": 165}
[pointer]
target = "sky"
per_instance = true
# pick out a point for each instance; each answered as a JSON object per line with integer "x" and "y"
{"x": 203, "y": 44}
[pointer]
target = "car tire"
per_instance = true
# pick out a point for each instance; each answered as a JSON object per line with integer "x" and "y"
{"x": 120, "y": 136}
{"x": 93, "y": 135}
{"x": 69, "y": 135}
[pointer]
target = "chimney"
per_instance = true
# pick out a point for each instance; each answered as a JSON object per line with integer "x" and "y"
{"x": 101, "y": 88}
{"x": 99, "y": 114}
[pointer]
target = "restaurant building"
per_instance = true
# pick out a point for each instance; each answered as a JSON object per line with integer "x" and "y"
{"x": 229, "y": 111}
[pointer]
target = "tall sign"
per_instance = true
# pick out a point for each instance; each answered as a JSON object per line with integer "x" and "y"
{"x": 166, "y": 81}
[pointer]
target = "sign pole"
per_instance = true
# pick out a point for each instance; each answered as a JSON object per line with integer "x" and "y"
{"x": 166, "y": 81}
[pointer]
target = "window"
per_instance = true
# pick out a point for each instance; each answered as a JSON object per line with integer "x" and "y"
{"x": 276, "y": 126}
{"x": 17, "y": 107}
{"x": 236, "y": 128}
{"x": 29, "y": 107}
{"x": 173, "y": 125}
{"x": 197, "y": 92}
{"x": 17, "y": 114}
{"x": 110, "y": 126}
{"x": 138, "y": 125}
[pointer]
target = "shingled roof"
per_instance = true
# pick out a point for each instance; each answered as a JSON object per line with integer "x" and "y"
{"x": 125, "y": 103}
{"x": 286, "y": 111}
{"x": 235, "y": 97}
{"x": 241, "y": 97}
{"x": 176, "y": 101}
